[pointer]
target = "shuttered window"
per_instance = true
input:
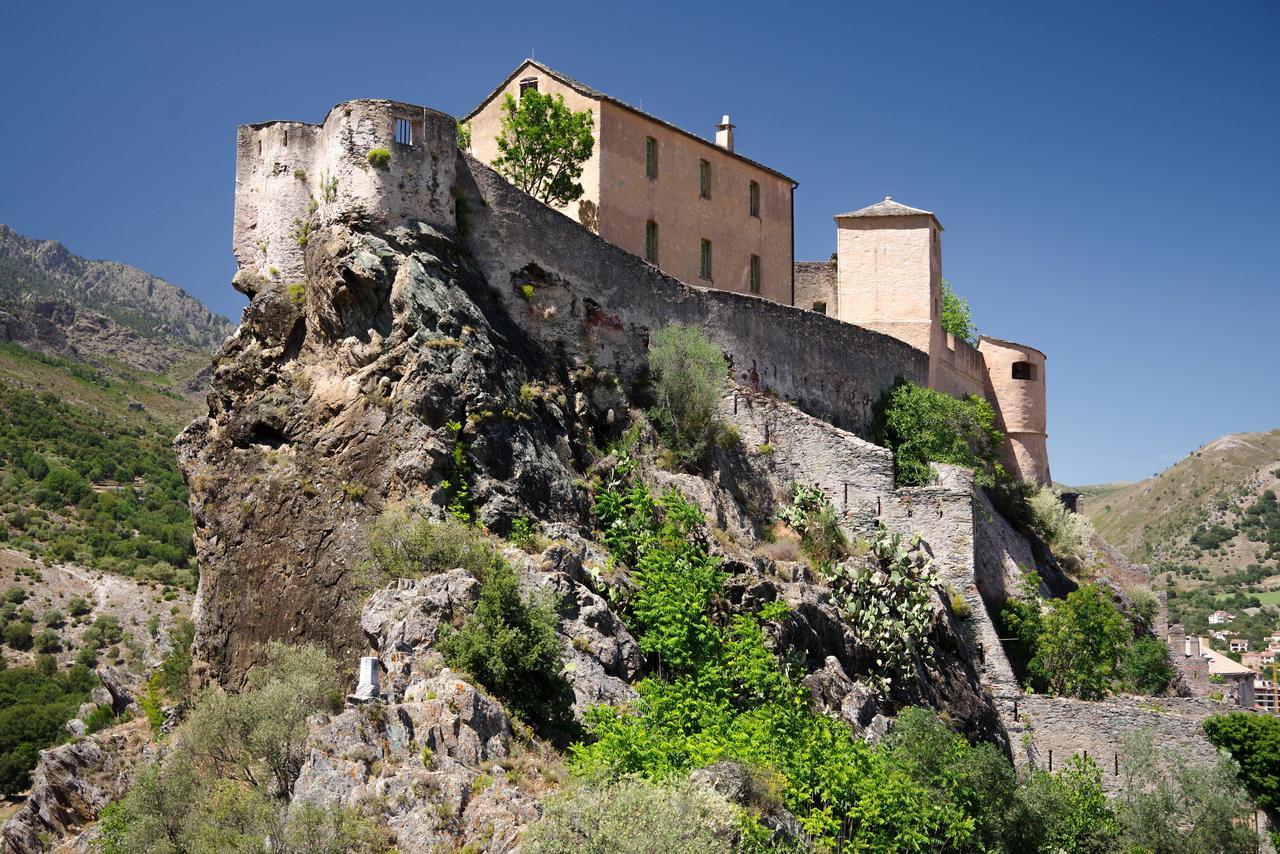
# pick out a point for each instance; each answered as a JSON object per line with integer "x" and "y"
{"x": 755, "y": 274}
{"x": 651, "y": 242}
{"x": 650, "y": 157}
{"x": 704, "y": 179}
{"x": 753, "y": 199}
{"x": 705, "y": 268}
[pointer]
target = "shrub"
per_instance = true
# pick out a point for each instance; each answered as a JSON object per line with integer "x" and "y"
{"x": 105, "y": 631}
{"x": 379, "y": 158}
{"x": 812, "y": 517}
{"x": 409, "y": 545}
{"x": 100, "y": 718}
{"x": 956, "y": 317}
{"x": 1168, "y": 804}
{"x": 511, "y": 648}
{"x": 921, "y": 426}
{"x": 34, "y": 705}
{"x": 689, "y": 373}
{"x": 1066, "y": 534}
{"x": 635, "y": 816}
{"x": 78, "y": 606}
{"x": 1080, "y": 644}
{"x": 462, "y": 134}
{"x": 1145, "y": 668}
{"x": 297, "y": 293}
{"x": 1065, "y": 811}
{"x": 17, "y": 634}
{"x": 1254, "y": 743}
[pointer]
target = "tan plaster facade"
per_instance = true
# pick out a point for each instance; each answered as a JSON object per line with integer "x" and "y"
{"x": 888, "y": 278}
{"x": 619, "y": 199}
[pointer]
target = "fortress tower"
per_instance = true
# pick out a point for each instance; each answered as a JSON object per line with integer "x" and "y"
{"x": 887, "y": 276}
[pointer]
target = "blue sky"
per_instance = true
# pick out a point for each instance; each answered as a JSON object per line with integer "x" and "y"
{"x": 1108, "y": 173}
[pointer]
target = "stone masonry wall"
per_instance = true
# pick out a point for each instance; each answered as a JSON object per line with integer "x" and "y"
{"x": 593, "y": 297}
{"x": 815, "y": 281}
{"x": 857, "y": 478}
{"x": 1068, "y": 727}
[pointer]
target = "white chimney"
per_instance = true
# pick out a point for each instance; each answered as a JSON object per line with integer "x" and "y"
{"x": 724, "y": 134}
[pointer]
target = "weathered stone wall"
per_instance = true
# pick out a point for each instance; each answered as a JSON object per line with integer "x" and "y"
{"x": 591, "y": 296}
{"x": 857, "y": 478}
{"x": 284, "y": 169}
{"x": 1069, "y": 727}
{"x": 816, "y": 283}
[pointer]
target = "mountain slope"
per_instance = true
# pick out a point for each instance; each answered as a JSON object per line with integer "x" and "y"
{"x": 1207, "y": 510}
{"x": 145, "y": 304}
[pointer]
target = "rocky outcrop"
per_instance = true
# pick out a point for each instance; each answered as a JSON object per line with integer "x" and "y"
{"x": 441, "y": 768}
{"x": 73, "y": 782}
{"x": 387, "y": 377}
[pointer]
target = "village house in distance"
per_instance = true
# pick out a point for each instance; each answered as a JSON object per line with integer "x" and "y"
{"x": 707, "y": 215}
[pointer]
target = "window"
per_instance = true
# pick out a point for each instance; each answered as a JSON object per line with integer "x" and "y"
{"x": 1024, "y": 371}
{"x": 753, "y": 199}
{"x": 527, "y": 84}
{"x": 705, "y": 269}
{"x": 704, "y": 179}
{"x": 650, "y": 157}
{"x": 755, "y": 274}
{"x": 820, "y": 307}
{"x": 651, "y": 242}
{"x": 404, "y": 131}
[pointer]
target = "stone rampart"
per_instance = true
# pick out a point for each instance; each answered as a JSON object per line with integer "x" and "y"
{"x": 289, "y": 174}
{"x": 1060, "y": 727}
{"x": 815, "y": 282}
{"x": 569, "y": 288}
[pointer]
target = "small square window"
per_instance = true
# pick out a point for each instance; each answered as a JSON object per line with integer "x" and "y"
{"x": 704, "y": 179}
{"x": 650, "y": 157}
{"x": 753, "y": 199}
{"x": 528, "y": 83}
{"x": 820, "y": 307}
{"x": 404, "y": 131}
{"x": 704, "y": 269}
{"x": 755, "y": 274}
{"x": 1024, "y": 371}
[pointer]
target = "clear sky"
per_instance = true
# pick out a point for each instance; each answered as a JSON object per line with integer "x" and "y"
{"x": 1108, "y": 173}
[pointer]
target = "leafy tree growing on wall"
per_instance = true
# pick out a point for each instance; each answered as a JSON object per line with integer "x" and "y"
{"x": 956, "y": 318}
{"x": 689, "y": 372}
{"x": 543, "y": 145}
{"x": 921, "y": 426}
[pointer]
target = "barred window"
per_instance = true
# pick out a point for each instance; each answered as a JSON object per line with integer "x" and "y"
{"x": 1024, "y": 371}
{"x": 404, "y": 131}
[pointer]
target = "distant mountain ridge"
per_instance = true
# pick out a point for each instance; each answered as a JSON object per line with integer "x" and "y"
{"x": 1202, "y": 511}
{"x": 133, "y": 298}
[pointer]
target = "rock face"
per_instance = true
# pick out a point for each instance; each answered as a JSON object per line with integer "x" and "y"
{"x": 385, "y": 375}
{"x": 73, "y": 782}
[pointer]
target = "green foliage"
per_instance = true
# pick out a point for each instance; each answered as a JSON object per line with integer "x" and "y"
{"x": 886, "y": 603}
{"x": 812, "y": 517}
{"x": 543, "y": 145}
{"x": 510, "y": 646}
{"x": 78, "y": 606}
{"x": 1082, "y": 645}
{"x": 119, "y": 498}
{"x": 457, "y": 486}
{"x": 1254, "y": 743}
{"x": 635, "y": 816}
{"x": 297, "y": 293}
{"x": 1064, "y": 811}
{"x": 379, "y": 158}
{"x": 1066, "y": 534}
{"x": 99, "y": 719}
{"x": 462, "y": 133}
{"x": 1169, "y": 804}
{"x": 33, "y": 708}
{"x": 105, "y": 631}
{"x": 921, "y": 426}
{"x": 527, "y": 291}
{"x": 955, "y": 315}
{"x": 522, "y": 534}
{"x": 17, "y": 634}
{"x": 722, "y": 693}
{"x": 689, "y": 374}
{"x": 409, "y": 545}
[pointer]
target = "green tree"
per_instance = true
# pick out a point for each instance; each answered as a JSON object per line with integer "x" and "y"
{"x": 1080, "y": 644}
{"x": 1254, "y": 743}
{"x": 955, "y": 315}
{"x": 689, "y": 373}
{"x": 543, "y": 145}
{"x": 921, "y": 426}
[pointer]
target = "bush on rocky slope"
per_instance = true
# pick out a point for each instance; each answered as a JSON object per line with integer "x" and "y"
{"x": 921, "y": 426}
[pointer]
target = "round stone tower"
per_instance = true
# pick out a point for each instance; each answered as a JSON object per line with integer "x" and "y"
{"x": 1016, "y": 386}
